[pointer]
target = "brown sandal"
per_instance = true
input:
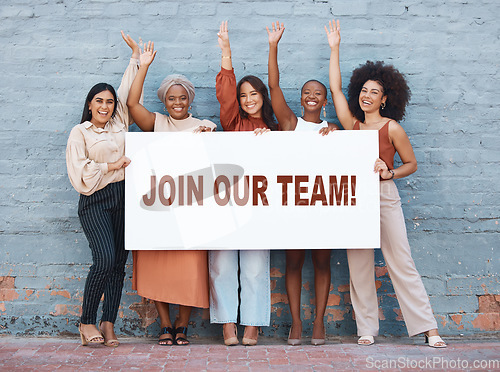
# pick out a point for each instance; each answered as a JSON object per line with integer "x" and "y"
{"x": 178, "y": 331}
{"x": 167, "y": 341}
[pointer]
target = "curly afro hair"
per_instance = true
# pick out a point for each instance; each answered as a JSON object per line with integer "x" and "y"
{"x": 393, "y": 83}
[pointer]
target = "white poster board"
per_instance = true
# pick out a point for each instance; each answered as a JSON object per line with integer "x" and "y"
{"x": 236, "y": 190}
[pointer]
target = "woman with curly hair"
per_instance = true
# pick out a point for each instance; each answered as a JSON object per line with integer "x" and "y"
{"x": 243, "y": 107}
{"x": 378, "y": 95}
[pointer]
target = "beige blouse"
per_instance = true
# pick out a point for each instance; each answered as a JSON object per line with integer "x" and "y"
{"x": 90, "y": 149}
{"x": 164, "y": 123}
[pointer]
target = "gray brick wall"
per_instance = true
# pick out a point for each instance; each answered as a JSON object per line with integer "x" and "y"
{"x": 54, "y": 51}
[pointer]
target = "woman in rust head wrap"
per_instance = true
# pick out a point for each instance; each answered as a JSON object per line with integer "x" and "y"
{"x": 177, "y": 276}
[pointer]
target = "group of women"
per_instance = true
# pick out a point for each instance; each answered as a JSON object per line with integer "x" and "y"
{"x": 234, "y": 284}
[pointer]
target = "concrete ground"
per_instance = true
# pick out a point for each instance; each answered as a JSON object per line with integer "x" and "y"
{"x": 204, "y": 354}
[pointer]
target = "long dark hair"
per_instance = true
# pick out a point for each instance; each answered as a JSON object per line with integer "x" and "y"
{"x": 393, "y": 83}
{"x": 267, "y": 108}
{"x": 96, "y": 89}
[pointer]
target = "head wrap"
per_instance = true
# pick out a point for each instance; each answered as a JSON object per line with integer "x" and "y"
{"x": 176, "y": 79}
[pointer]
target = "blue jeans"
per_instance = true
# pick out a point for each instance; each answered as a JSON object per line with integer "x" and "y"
{"x": 255, "y": 307}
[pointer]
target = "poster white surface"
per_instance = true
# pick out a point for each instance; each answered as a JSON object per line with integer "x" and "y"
{"x": 236, "y": 190}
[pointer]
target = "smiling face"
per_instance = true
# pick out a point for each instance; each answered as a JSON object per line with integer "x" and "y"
{"x": 101, "y": 108}
{"x": 251, "y": 100}
{"x": 313, "y": 96}
{"x": 371, "y": 96}
{"x": 177, "y": 102}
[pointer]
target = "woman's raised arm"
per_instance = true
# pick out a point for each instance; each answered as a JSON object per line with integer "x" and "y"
{"x": 142, "y": 117}
{"x": 286, "y": 118}
{"x": 122, "y": 114}
{"x": 341, "y": 106}
{"x": 225, "y": 83}
{"x": 223, "y": 38}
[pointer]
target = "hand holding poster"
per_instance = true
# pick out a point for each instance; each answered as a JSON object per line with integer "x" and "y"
{"x": 280, "y": 190}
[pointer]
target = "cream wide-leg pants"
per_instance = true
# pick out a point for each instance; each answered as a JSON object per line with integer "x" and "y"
{"x": 410, "y": 291}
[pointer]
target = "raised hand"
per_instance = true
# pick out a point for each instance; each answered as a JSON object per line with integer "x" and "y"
{"x": 223, "y": 36}
{"x": 132, "y": 44}
{"x": 333, "y": 33}
{"x": 276, "y": 33}
{"x": 149, "y": 54}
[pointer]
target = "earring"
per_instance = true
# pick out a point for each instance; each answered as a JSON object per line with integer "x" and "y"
{"x": 324, "y": 112}
{"x": 382, "y": 105}
{"x": 301, "y": 110}
{"x": 164, "y": 109}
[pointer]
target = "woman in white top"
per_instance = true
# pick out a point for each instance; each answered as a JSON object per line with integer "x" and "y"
{"x": 313, "y": 99}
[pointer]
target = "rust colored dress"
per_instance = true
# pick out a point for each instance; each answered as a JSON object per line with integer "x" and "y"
{"x": 175, "y": 277}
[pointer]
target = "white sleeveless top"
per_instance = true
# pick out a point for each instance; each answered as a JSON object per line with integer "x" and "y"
{"x": 304, "y": 126}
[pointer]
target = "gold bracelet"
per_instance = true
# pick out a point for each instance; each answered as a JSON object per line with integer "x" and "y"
{"x": 226, "y": 57}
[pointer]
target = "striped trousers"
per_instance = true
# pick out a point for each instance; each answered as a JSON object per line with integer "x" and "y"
{"x": 102, "y": 216}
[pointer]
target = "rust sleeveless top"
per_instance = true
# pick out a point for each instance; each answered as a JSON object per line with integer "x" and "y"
{"x": 385, "y": 148}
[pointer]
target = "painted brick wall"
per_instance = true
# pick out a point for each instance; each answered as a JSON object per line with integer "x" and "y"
{"x": 54, "y": 51}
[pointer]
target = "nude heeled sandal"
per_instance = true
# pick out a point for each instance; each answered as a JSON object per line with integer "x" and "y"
{"x": 366, "y": 340}
{"x": 435, "y": 341}
{"x": 93, "y": 340}
{"x": 112, "y": 342}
